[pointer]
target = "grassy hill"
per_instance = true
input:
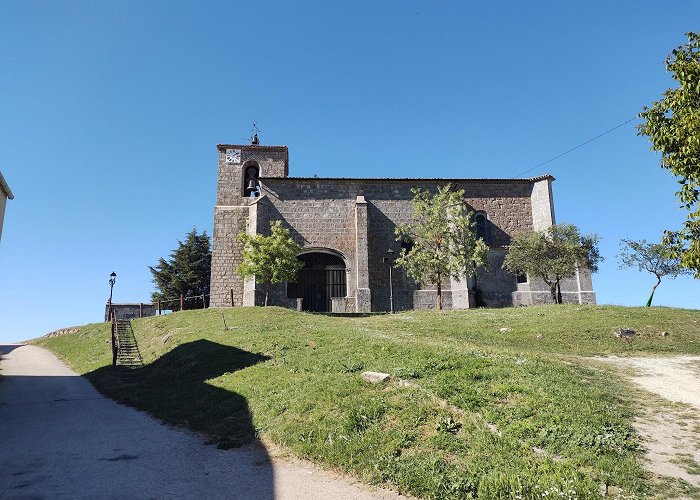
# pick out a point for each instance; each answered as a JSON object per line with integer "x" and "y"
{"x": 488, "y": 403}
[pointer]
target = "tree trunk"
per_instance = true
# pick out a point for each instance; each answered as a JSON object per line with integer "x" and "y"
{"x": 438, "y": 302}
{"x": 559, "y": 301}
{"x": 653, "y": 289}
{"x": 553, "y": 292}
{"x": 267, "y": 292}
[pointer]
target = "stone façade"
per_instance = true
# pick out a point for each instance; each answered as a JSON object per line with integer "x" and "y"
{"x": 353, "y": 220}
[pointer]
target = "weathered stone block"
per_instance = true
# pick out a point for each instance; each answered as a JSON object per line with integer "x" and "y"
{"x": 375, "y": 377}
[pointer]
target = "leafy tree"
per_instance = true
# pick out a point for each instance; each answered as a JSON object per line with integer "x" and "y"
{"x": 673, "y": 127}
{"x": 187, "y": 272}
{"x": 553, "y": 255}
{"x": 659, "y": 259}
{"x": 444, "y": 240}
{"x": 271, "y": 259}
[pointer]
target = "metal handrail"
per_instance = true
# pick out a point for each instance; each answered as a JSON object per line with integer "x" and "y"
{"x": 115, "y": 339}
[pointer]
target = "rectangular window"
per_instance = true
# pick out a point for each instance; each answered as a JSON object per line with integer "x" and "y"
{"x": 521, "y": 278}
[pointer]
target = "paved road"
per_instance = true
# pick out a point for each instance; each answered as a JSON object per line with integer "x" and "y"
{"x": 59, "y": 438}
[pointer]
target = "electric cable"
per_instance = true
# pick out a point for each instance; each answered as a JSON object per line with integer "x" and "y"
{"x": 580, "y": 145}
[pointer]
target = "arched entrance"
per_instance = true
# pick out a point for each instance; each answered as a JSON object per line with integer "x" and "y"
{"x": 321, "y": 278}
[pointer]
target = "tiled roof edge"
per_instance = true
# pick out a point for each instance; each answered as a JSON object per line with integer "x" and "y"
{"x": 413, "y": 179}
{"x": 250, "y": 146}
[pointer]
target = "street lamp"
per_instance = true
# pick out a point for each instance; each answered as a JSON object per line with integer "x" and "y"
{"x": 112, "y": 280}
{"x": 389, "y": 259}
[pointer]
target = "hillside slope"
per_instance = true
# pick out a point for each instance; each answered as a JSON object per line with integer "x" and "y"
{"x": 487, "y": 403}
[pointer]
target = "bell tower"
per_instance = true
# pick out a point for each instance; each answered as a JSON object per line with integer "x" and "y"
{"x": 238, "y": 183}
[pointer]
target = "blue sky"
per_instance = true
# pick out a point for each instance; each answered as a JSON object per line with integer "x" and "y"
{"x": 110, "y": 113}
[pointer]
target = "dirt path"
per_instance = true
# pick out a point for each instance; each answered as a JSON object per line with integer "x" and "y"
{"x": 669, "y": 423}
{"x": 60, "y": 438}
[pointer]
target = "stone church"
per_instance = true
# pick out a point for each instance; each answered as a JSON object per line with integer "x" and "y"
{"x": 346, "y": 226}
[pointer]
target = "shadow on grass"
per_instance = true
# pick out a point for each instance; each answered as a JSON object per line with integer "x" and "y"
{"x": 174, "y": 389}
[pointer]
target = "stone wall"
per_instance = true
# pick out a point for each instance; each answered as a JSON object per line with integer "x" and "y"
{"x": 542, "y": 204}
{"x": 576, "y": 290}
{"x": 131, "y": 311}
{"x": 344, "y": 305}
{"x": 324, "y": 222}
{"x": 272, "y": 161}
{"x": 226, "y": 255}
{"x": 495, "y": 285}
{"x": 321, "y": 213}
{"x": 232, "y": 212}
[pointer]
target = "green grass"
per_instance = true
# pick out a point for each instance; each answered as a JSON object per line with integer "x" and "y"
{"x": 486, "y": 414}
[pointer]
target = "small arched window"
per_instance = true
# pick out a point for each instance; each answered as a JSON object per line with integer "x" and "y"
{"x": 250, "y": 181}
{"x": 481, "y": 225}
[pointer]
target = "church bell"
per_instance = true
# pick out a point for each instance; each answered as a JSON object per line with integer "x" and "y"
{"x": 251, "y": 188}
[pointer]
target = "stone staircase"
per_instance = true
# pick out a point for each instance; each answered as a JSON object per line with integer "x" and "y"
{"x": 129, "y": 361}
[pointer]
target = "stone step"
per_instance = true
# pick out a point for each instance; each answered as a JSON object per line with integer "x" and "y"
{"x": 129, "y": 361}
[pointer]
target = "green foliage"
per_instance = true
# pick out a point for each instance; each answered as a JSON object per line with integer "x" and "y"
{"x": 660, "y": 259}
{"x": 444, "y": 240}
{"x": 553, "y": 255}
{"x": 271, "y": 259}
{"x": 446, "y": 423}
{"x": 672, "y": 124}
{"x": 187, "y": 272}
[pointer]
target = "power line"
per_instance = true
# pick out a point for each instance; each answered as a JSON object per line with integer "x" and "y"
{"x": 580, "y": 145}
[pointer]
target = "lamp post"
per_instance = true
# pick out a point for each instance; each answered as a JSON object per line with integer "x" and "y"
{"x": 389, "y": 259}
{"x": 112, "y": 280}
